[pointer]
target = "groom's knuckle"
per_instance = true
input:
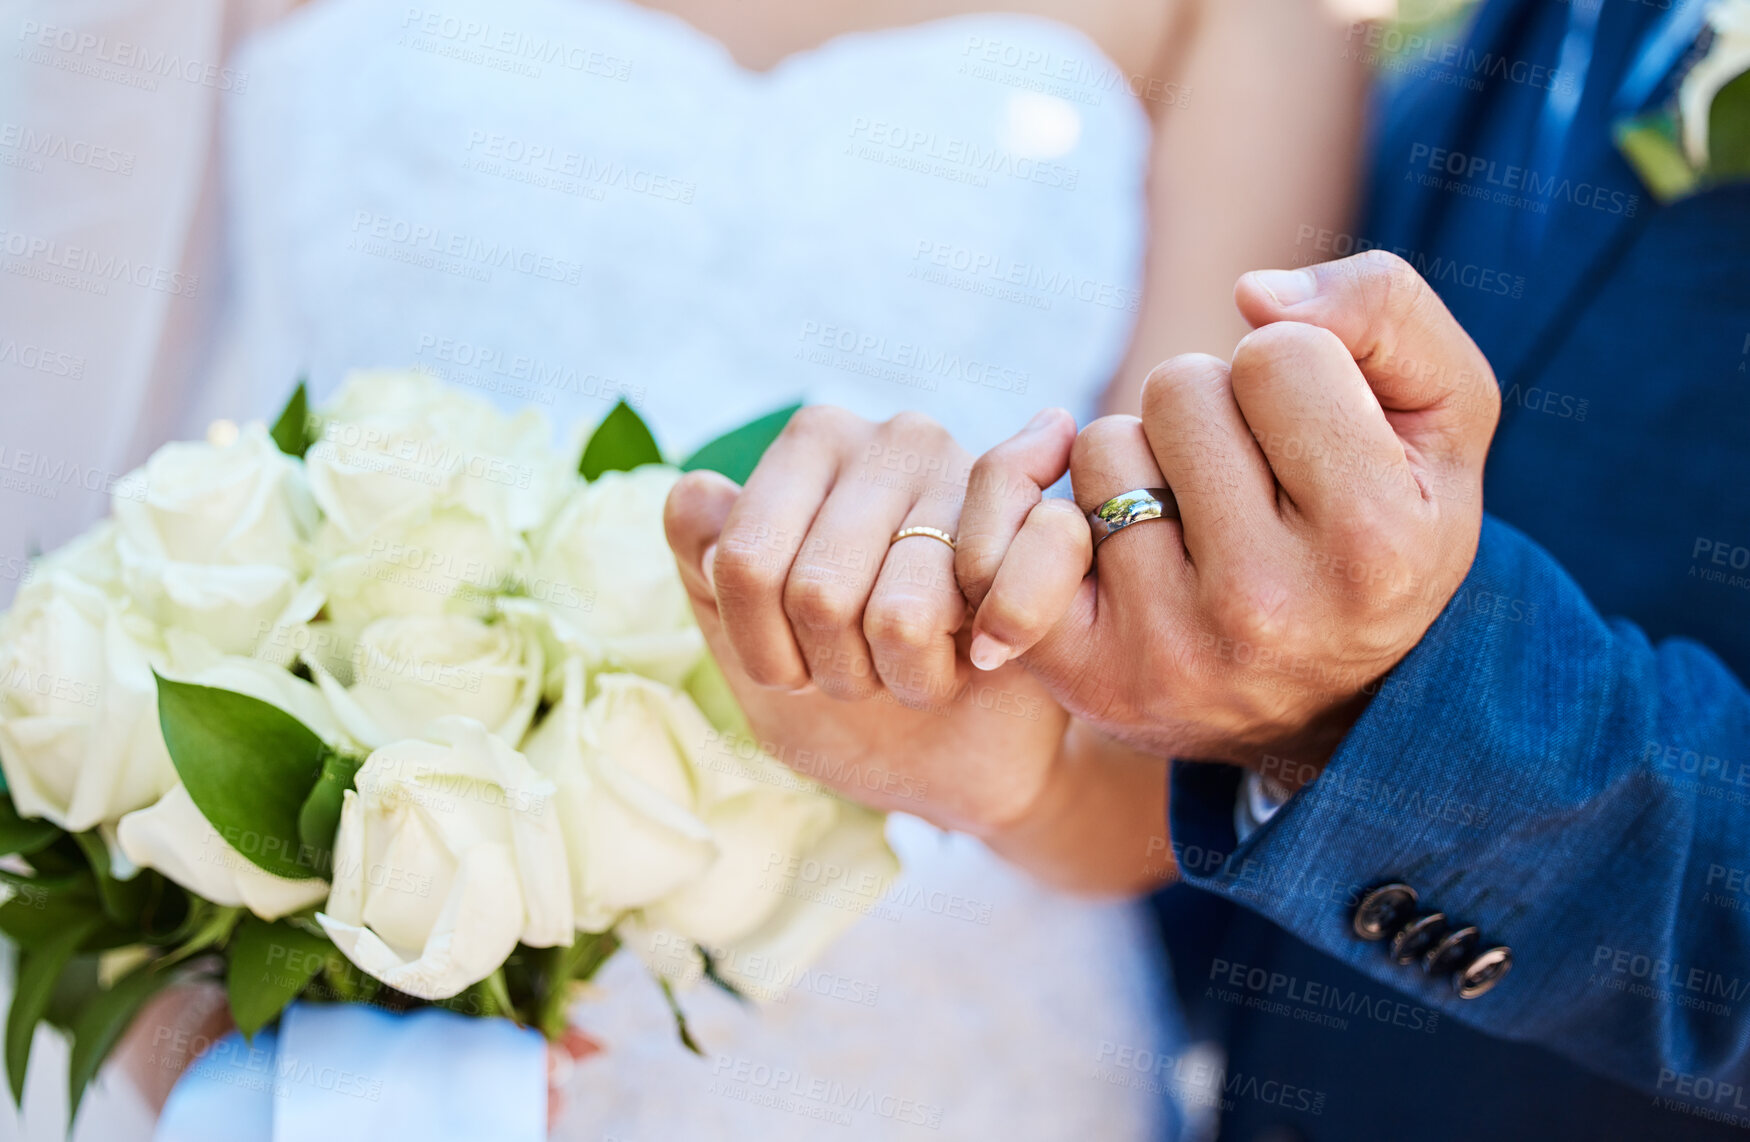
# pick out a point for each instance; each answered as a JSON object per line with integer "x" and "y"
{"x": 1391, "y": 287}
{"x": 1169, "y": 382}
{"x": 1361, "y": 524}
{"x": 1093, "y": 456}
{"x": 1249, "y": 610}
{"x": 1277, "y": 354}
{"x": 1390, "y": 269}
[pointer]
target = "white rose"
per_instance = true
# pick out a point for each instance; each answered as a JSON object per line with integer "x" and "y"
{"x": 213, "y": 538}
{"x": 449, "y": 852}
{"x": 395, "y": 443}
{"x": 625, "y": 775}
{"x": 775, "y": 831}
{"x": 173, "y": 837}
{"x": 602, "y": 571}
{"x": 1726, "y": 60}
{"x": 409, "y": 671}
{"x": 448, "y": 561}
{"x": 824, "y": 890}
{"x": 827, "y": 889}
{"x": 698, "y": 837}
{"x": 79, "y": 738}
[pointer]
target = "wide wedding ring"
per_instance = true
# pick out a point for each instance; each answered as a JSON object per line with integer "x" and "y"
{"x": 932, "y": 532}
{"x": 1137, "y": 506}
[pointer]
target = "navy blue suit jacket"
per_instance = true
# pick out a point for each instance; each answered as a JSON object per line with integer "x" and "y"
{"x": 1564, "y": 760}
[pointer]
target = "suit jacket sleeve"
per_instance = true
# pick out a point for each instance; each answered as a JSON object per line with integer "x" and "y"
{"x": 1580, "y": 794}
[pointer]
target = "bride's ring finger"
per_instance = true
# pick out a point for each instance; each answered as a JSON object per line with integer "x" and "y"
{"x": 831, "y": 580}
{"x": 916, "y": 608}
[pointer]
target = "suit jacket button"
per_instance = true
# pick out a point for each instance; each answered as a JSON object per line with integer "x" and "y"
{"x": 1451, "y": 950}
{"x": 1415, "y": 938}
{"x": 1484, "y": 972}
{"x": 1383, "y": 909}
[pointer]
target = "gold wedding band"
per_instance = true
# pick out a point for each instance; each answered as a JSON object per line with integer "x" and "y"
{"x": 932, "y": 532}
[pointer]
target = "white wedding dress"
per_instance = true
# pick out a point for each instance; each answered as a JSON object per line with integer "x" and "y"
{"x": 561, "y": 202}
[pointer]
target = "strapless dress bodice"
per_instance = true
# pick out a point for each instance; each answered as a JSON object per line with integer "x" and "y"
{"x": 561, "y": 202}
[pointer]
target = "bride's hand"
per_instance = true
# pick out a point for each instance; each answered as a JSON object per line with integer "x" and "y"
{"x": 846, "y": 647}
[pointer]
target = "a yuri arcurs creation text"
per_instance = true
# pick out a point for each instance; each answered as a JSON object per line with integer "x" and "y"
{"x": 393, "y": 703}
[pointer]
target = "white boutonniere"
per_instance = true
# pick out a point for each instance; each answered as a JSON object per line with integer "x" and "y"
{"x": 1702, "y": 139}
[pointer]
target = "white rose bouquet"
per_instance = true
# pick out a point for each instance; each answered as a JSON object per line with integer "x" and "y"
{"x": 391, "y": 704}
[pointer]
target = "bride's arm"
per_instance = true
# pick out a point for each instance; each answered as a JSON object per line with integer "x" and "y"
{"x": 1264, "y": 152}
{"x": 1099, "y": 824}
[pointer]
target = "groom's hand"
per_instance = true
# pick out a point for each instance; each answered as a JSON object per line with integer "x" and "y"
{"x": 1330, "y": 487}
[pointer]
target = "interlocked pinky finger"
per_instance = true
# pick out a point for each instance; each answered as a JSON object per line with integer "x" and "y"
{"x": 1035, "y": 585}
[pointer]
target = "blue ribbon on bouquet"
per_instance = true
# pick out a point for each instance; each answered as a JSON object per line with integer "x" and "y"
{"x": 352, "y": 1073}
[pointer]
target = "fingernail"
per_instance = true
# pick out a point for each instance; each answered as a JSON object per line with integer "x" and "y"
{"x": 988, "y": 653}
{"x": 1040, "y": 419}
{"x": 1288, "y": 287}
{"x": 706, "y": 564}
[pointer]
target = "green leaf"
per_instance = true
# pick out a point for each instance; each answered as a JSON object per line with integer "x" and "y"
{"x": 63, "y": 856}
{"x": 345, "y": 982}
{"x": 208, "y": 925}
{"x": 292, "y": 430}
{"x": 39, "y": 966}
{"x": 122, "y": 900}
{"x": 33, "y": 917}
{"x": 1728, "y": 131}
{"x": 63, "y": 882}
{"x": 270, "y": 965}
{"x": 24, "y": 835}
{"x": 73, "y": 991}
{"x": 680, "y": 1019}
{"x": 249, "y": 766}
{"x": 102, "y": 1022}
{"x": 737, "y": 452}
{"x": 620, "y": 443}
{"x": 319, "y": 818}
{"x": 1650, "y": 144}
